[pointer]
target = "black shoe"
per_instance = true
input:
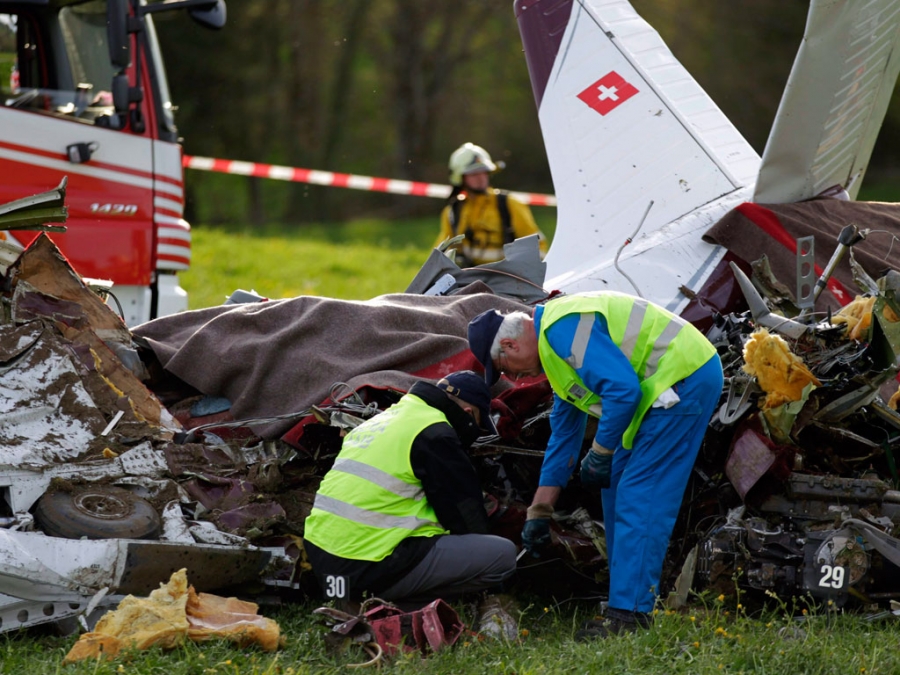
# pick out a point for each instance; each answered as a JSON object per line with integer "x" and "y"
{"x": 616, "y": 622}
{"x": 603, "y": 628}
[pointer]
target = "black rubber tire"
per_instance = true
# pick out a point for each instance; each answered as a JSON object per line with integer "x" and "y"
{"x": 97, "y": 512}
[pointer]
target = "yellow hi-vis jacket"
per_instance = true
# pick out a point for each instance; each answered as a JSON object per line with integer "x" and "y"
{"x": 370, "y": 500}
{"x": 661, "y": 347}
{"x": 481, "y": 222}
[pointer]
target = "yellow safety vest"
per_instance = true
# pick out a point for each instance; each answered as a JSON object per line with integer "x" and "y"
{"x": 661, "y": 347}
{"x": 371, "y": 500}
{"x": 486, "y": 232}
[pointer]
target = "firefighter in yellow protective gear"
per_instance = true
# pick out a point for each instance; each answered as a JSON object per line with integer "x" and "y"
{"x": 489, "y": 218}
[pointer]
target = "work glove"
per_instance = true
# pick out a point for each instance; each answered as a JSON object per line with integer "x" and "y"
{"x": 536, "y": 533}
{"x": 596, "y": 467}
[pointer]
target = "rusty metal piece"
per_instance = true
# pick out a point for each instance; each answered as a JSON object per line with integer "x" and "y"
{"x": 208, "y": 567}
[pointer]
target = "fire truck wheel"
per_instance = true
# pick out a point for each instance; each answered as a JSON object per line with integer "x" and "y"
{"x": 97, "y": 512}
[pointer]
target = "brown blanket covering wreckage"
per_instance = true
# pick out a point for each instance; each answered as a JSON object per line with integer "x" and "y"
{"x": 283, "y": 356}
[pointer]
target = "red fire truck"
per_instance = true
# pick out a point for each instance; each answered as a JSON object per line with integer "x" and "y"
{"x": 83, "y": 94}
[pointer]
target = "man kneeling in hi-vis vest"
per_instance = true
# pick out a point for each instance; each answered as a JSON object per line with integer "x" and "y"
{"x": 659, "y": 380}
{"x": 400, "y": 515}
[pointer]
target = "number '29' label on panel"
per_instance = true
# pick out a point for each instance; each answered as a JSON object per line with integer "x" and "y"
{"x": 832, "y": 578}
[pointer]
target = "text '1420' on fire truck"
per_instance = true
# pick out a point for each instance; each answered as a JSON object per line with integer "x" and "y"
{"x": 83, "y": 94}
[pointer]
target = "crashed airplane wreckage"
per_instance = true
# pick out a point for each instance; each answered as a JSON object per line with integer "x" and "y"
{"x": 118, "y": 470}
{"x": 198, "y": 440}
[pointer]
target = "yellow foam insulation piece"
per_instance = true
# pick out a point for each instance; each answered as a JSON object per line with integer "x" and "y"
{"x": 139, "y": 623}
{"x": 171, "y": 614}
{"x": 895, "y": 400}
{"x": 856, "y": 316}
{"x": 781, "y": 374}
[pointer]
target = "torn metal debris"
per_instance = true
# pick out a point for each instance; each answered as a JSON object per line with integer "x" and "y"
{"x": 128, "y": 455}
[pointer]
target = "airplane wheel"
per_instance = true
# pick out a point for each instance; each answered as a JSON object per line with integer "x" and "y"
{"x": 97, "y": 512}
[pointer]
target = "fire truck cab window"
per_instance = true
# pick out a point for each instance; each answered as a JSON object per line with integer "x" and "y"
{"x": 58, "y": 63}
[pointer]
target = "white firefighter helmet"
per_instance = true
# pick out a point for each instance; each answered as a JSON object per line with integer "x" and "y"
{"x": 469, "y": 158}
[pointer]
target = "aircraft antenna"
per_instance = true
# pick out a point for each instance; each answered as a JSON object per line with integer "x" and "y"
{"x": 628, "y": 241}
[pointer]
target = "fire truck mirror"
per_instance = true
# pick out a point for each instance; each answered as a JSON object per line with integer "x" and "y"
{"x": 117, "y": 33}
{"x": 120, "y": 93}
{"x": 212, "y": 16}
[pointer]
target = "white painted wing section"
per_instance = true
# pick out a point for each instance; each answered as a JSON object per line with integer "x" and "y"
{"x": 41, "y": 568}
{"x": 668, "y": 143}
{"x": 834, "y": 102}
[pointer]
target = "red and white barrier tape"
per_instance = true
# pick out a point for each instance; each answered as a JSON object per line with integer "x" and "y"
{"x": 345, "y": 180}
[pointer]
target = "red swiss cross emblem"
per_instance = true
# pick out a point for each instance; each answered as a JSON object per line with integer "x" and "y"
{"x": 608, "y": 92}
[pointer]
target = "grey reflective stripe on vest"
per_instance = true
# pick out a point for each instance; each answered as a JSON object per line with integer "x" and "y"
{"x": 380, "y": 478}
{"x": 580, "y": 341}
{"x": 629, "y": 338}
{"x": 633, "y": 329}
{"x": 362, "y": 516}
{"x": 662, "y": 343}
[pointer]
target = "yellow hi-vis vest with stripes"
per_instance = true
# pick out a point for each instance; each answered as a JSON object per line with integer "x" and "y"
{"x": 370, "y": 500}
{"x": 661, "y": 347}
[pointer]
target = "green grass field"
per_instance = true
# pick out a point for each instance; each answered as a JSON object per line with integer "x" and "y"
{"x": 353, "y": 261}
{"x": 345, "y": 262}
{"x": 715, "y": 636}
{"x": 367, "y": 258}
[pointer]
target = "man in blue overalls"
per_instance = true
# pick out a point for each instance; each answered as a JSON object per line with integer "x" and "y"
{"x": 658, "y": 380}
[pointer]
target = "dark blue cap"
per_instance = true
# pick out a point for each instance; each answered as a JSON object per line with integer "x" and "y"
{"x": 469, "y": 387}
{"x": 482, "y": 331}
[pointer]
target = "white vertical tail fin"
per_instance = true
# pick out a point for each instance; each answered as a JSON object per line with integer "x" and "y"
{"x": 624, "y": 123}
